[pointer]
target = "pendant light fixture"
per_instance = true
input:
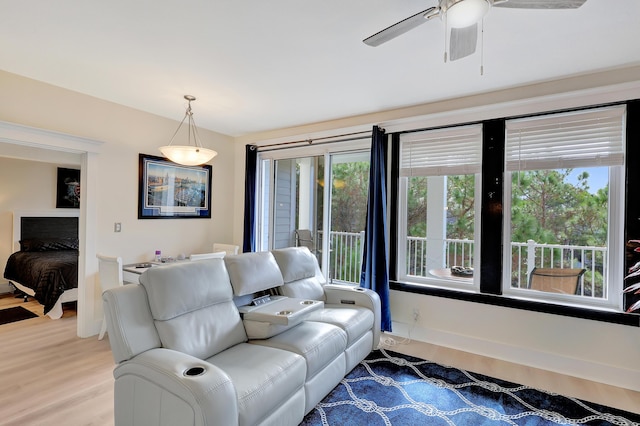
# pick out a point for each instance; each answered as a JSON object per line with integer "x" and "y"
{"x": 190, "y": 154}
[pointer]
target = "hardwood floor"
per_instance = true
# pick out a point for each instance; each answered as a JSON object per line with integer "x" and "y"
{"x": 50, "y": 376}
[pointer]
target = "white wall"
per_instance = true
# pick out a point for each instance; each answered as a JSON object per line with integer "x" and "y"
{"x": 593, "y": 350}
{"x": 604, "y": 352}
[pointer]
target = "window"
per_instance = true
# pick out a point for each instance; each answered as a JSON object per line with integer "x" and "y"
{"x": 564, "y": 189}
{"x": 316, "y": 197}
{"x": 562, "y": 177}
{"x": 439, "y": 177}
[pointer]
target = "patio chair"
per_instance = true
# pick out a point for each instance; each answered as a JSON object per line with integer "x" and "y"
{"x": 556, "y": 280}
{"x": 304, "y": 238}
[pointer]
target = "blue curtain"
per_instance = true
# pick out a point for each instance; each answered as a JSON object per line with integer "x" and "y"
{"x": 251, "y": 174}
{"x": 374, "y": 264}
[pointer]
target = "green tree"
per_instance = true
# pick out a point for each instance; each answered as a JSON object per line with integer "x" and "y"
{"x": 349, "y": 192}
{"x": 417, "y": 207}
{"x": 541, "y": 203}
{"x": 460, "y": 206}
{"x": 548, "y": 209}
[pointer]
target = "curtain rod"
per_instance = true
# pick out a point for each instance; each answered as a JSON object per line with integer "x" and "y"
{"x": 313, "y": 141}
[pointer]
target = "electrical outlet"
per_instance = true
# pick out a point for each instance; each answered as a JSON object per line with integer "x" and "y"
{"x": 416, "y": 314}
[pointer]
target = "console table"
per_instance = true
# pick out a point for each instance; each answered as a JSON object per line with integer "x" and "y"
{"x": 281, "y": 310}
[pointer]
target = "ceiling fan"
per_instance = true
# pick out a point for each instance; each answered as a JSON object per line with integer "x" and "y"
{"x": 463, "y": 16}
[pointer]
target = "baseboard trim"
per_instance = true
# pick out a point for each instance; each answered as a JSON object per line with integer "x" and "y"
{"x": 580, "y": 368}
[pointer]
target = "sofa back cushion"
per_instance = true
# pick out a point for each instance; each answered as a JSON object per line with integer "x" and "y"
{"x": 192, "y": 307}
{"x": 253, "y": 272}
{"x": 301, "y": 273}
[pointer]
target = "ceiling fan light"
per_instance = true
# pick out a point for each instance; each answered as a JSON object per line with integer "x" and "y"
{"x": 187, "y": 155}
{"x": 466, "y": 12}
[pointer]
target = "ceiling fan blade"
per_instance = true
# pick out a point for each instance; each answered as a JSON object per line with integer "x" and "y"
{"x": 539, "y": 4}
{"x": 401, "y": 27}
{"x": 463, "y": 42}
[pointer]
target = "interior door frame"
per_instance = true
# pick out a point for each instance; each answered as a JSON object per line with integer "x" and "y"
{"x": 88, "y": 322}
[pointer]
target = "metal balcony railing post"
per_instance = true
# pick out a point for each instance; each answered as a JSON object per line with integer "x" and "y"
{"x": 531, "y": 256}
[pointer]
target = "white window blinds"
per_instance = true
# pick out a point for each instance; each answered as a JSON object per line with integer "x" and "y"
{"x": 575, "y": 139}
{"x": 441, "y": 152}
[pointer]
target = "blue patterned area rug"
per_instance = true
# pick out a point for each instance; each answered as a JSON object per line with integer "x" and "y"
{"x": 388, "y": 388}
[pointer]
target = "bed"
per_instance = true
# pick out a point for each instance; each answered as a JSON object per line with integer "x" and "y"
{"x": 45, "y": 261}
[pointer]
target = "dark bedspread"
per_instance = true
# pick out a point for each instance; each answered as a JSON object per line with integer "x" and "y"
{"x": 48, "y": 273}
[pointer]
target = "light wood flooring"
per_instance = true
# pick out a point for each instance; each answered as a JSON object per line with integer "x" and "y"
{"x": 49, "y": 376}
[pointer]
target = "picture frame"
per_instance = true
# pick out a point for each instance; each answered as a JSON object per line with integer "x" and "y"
{"x": 68, "y": 188}
{"x": 167, "y": 190}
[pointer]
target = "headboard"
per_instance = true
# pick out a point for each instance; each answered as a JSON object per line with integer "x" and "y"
{"x": 44, "y": 224}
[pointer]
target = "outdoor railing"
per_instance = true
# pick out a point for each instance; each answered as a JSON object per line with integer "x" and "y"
{"x": 526, "y": 256}
{"x": 456, "y": 253}
{"x": 346, "y": 260}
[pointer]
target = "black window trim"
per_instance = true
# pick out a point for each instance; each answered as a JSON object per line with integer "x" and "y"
{"x": 492, "y": 219}
{"x": 529, "y": 305}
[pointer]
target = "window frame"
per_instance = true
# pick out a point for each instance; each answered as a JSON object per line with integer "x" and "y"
{"x": 491, "y": 222}
{"x": 265, "y": 222}
{"x": 452, "y": 283}
{"x": 615, "y": 231}
{"x": 403, "y": 186}
{"x": 615, "y": 257}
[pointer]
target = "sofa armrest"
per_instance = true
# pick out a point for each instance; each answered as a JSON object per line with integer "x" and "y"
{"x": 173, "y": 385}
{"x": 129, "y": 322}
{"x": 346, "y": 295}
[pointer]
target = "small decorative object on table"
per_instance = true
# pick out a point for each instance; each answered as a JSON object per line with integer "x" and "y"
{"x": 461, "y": 271}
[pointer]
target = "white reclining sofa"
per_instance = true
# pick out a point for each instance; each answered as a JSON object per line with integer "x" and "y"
{"x": 251, "y": 339}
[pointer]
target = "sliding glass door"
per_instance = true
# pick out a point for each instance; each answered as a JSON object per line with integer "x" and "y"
{"x": 349, "y": 177}
{"x": 318, "y": 201}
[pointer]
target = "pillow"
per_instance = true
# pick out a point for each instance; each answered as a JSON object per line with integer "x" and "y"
{"x": 49, "y": 244}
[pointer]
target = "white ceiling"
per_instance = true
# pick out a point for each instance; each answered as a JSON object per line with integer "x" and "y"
{"x": 257, "y": 65}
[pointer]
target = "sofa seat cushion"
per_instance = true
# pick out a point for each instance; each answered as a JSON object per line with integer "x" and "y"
{"x": 354, "y": 320}
{"x": 263, "y": 377}
{"x": 318, "y": 343}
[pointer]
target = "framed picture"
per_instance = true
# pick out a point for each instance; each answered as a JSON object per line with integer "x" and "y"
{"x": 172, "y": 191}
{"x": 68, "y": 189}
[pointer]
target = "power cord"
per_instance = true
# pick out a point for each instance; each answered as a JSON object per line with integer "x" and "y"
{"x": 388, "y": 341}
